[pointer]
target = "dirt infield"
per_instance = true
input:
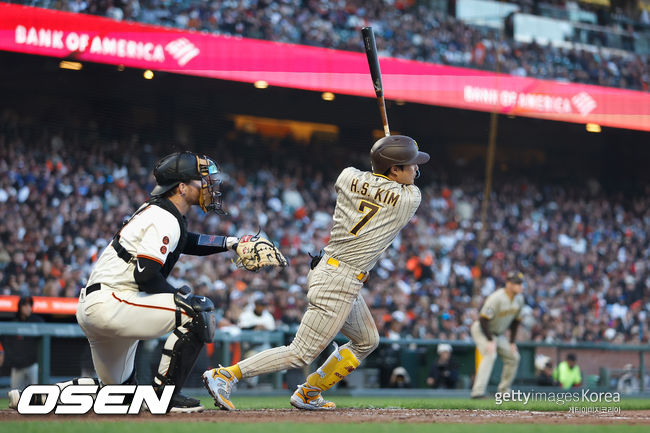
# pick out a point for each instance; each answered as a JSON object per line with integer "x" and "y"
{"x": 641, "y": 417}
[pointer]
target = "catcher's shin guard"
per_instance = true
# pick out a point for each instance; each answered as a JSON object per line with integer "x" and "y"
{"x": 177, "y": 362}
{"x": 339, "y": 364}
{"x": 183, "y": 346}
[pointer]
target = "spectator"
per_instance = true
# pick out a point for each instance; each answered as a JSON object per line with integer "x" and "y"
{"x": 414, "y": 31}
{"x": 629, "y": 381}
{"x": 257, "y": 318}
{"x": 444, "y": 373}
{"x": 585, "y": 249}
{"x": 399, "y": 378}
{"x": 545, "y": 376}
{"x": 22, "y": 352}
{"x": 567, "y": 373}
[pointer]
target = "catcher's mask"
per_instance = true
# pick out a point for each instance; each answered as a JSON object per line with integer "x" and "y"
{"x": 186, "y": 166}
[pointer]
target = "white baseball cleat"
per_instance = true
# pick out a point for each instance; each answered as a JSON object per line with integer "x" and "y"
{"x": 218, "y": 382}
{"x": 14, "y": 397}
{"x": 309, "y": 398}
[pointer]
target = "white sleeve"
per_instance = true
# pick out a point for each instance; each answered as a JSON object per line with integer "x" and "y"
{"x": 160, "y": 236}
{"x": 342, "y": 180}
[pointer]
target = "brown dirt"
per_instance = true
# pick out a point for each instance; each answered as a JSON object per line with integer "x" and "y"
{"x": 641, "y": 417}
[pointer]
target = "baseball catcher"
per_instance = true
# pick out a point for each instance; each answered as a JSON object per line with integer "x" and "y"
{"x": 128, "y": 298}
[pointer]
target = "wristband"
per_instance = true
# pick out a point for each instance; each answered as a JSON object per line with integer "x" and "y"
{"x": 231, "y": 242}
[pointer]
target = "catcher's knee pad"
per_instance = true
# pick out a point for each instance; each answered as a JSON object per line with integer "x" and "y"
{"x": 199, "y": 308}
{"x": 339, "y": 364}
{"x": 186, "y": 341}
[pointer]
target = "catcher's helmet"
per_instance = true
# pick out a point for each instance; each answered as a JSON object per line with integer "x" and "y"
{"x": 186, "y": 166}
{"x": 395, "y": 150}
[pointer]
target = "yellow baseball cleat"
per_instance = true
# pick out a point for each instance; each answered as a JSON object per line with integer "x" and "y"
{"x": 309, "y": 398}
{"x": 218, "y": 382}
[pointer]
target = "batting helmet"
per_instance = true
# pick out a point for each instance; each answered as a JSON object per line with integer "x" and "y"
{"x": 395, "y": 150}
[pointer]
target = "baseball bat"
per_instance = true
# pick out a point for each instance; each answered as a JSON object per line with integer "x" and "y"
{"x": 373, "y": 62}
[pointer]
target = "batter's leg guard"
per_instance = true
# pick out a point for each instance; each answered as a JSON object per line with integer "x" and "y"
{"x": 339, "y": 364}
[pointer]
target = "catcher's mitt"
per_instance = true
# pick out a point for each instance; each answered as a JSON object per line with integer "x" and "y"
{"x": 255, "y": 252}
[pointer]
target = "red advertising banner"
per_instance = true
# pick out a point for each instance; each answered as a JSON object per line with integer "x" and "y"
{"x": 96, "y": 39}
{"x": 42, "y": 305}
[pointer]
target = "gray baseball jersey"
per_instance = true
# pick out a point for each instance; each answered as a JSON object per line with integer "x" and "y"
{"x": 500, "y": 310}
{"x": 370, "y": 211}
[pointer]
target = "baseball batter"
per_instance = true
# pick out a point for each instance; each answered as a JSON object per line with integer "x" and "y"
{"x": 500, "y": 311}
{"x": 371, "y": 209}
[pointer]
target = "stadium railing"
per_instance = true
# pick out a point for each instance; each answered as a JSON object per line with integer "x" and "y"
{"x": 412, "y": 350}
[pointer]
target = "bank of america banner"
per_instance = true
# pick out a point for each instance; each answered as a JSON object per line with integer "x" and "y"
{"x": 96, "y": 39}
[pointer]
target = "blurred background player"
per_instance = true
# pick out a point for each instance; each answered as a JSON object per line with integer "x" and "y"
{"x": 500, "y": 311}
{"x": 371, "y": 209}
{"x": 444, "y": 372}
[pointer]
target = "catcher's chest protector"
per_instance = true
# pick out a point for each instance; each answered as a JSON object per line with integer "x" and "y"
{"x": 173, "y": 256}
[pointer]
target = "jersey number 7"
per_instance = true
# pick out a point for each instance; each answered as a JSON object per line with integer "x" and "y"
{"x": 372, "y": 211}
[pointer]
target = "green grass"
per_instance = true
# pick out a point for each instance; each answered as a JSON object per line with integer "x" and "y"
{"x": 250, "y": 403}
{"x": 364, "y": 402}
{"x": 176, "y": 427}
{"x": 247, "y": 402}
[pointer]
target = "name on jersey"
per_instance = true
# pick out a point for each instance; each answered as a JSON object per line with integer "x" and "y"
{"x": 379, "y": 195}
{"x": 509, "y": 312}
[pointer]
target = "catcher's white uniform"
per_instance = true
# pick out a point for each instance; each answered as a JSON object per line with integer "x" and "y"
{"x": 116, "y": 317}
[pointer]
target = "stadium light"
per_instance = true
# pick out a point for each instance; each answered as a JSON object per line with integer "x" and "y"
{"x": 261, "y": 84}
{"x": 328, "y": 96}
{"x": 400, "y": 102}
{"x": 593, "y": 127}
{"x": 148, "y": 74}
{"x": 73, "y": 66}
{"x": 120, "y": 68}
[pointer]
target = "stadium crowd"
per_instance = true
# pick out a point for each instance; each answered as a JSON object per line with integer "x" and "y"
{"x": 405, "y": 28}
{"x": 585, "y": 252}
